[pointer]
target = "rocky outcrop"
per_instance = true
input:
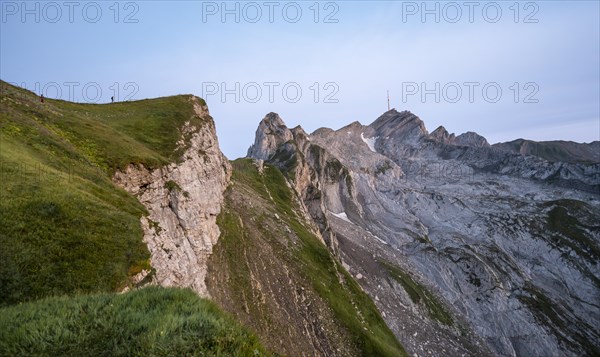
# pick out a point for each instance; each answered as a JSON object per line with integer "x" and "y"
{"x": 441, "y": 134}
{"x": 471, "y": 139}
{"x": 293, "y": 153}
{"x": 183, "y": 200}
{"x": 271, "y": 133}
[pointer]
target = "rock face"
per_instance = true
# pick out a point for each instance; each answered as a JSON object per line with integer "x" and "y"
{"x": 471, "y": 139}
{"x": 465, "y": 248}
{"x": 466, "y": 139}
{"x": 441, "y": 134}
{"x": 183, "y": 200}
{"x": 271, "y": 133}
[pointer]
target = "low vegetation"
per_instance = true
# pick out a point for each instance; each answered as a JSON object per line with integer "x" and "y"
{"x": 151, "y": 321}
{"x": 419, "y": 294}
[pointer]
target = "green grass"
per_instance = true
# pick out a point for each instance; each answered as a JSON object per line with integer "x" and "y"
{"x": 419, "y": 294}
{"x": 353, "y": 308}
{"x": 351, "y": 305}
{"x": 151, "y": 321}
{"x": 109, "y": 136}
{"x": 233, "y": 242}
{"x": 65, "y": 228}
{"x": 172, "y": 186}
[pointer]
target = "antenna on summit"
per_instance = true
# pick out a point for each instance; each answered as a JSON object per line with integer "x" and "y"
{"x": 388, "y": 95}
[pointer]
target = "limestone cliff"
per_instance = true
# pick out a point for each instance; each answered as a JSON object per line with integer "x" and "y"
{"x": 183, "y": 200}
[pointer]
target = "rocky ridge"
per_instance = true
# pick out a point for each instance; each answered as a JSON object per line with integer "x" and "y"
{"x": 555, "y": 151}
{"x": 466, "y": 248}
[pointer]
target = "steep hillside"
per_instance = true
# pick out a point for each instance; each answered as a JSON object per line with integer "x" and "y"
{"x": 465, "y": 249}
{"x": 271, "y": 270}
{"x": 66, "y": 227}
{"x": 148, "y": 322}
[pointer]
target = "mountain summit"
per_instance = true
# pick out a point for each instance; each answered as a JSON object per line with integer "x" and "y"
{"x": 271, "y": 133}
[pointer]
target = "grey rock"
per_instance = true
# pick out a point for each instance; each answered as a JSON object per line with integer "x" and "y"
{"x": 441, "y": 134}
{"x": 271, "y": 133}
{"x": 509, "y": 245}
{"x": 471, "y": 139}
{"x": 555, "y": 151}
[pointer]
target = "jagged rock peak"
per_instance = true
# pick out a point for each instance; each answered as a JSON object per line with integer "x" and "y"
{"x": 441, "y": 134}
{"x": 471, "y": 139}
{"x": 440, "y": 131}
{"x": 395, "y": 118}
{"x": 271, "y": 133}
{"x": 299, "y": 131}
{"x": 273, "y": 119}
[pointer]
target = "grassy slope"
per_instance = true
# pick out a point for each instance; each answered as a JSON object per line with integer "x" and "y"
{"x": 354, "y": 310}
{"x": 147, "y": 322}
{"x": 65, "y": 227}
{"x": 419, "y": 294}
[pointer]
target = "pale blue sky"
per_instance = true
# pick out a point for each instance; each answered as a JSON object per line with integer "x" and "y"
{"x": 185, "y": 47}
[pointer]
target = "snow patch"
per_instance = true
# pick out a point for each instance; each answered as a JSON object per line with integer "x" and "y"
{"x": 379, "y": 239}
{"x": 369, "y": 141}
{"x": 341, "y": 216}
{"x": 376, "y": 237}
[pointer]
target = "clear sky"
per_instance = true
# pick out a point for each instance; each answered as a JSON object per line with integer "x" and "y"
{"x": 504, "y": 69}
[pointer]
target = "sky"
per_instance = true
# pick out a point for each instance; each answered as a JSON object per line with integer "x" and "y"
{"x": 503, "y": 69}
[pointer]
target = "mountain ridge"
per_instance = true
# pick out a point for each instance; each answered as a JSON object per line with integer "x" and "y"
{"x": 435, "y": 217}
{"x": 379, "y": 239}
